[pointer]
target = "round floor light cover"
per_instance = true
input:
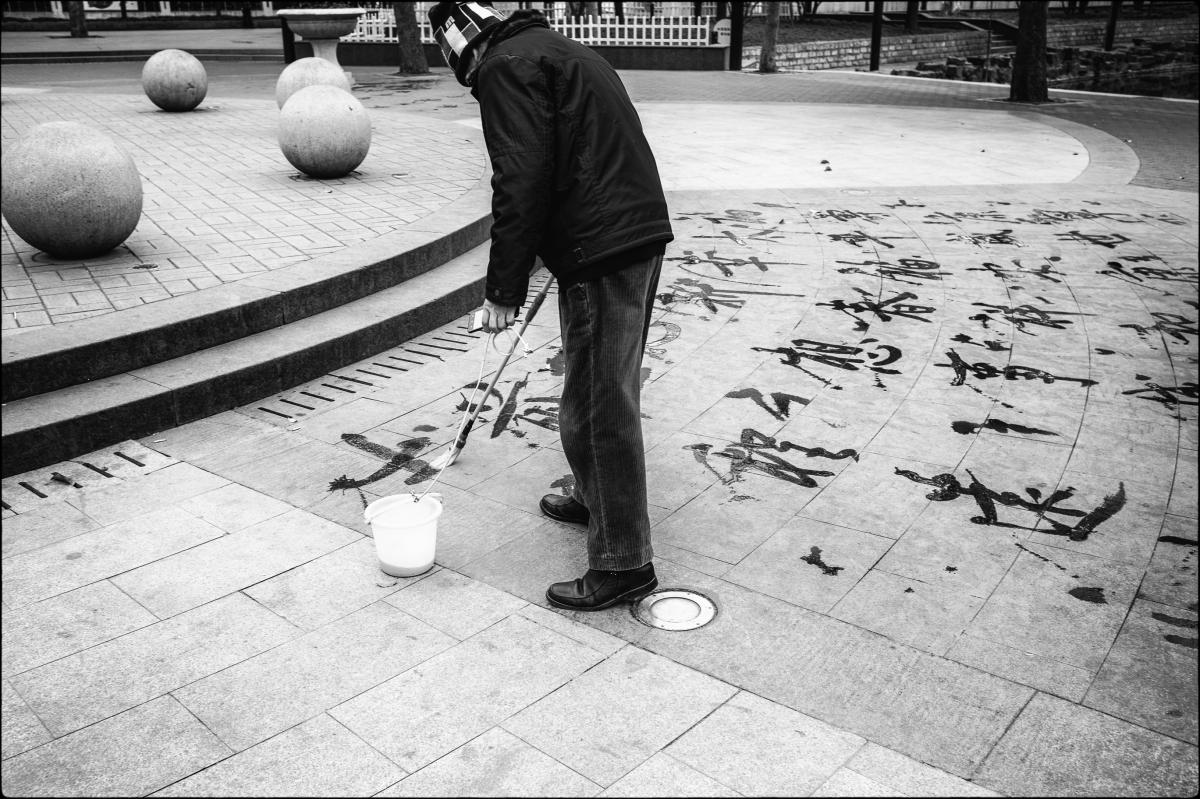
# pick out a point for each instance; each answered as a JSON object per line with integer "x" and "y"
{"x": 675, "y": 609}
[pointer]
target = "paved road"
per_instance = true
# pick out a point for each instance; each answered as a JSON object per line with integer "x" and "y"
{"x": 922, "y": 425}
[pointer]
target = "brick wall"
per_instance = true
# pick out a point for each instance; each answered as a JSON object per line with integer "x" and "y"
{"x": 1091, "y": 33}
{"x": 909, "y": 49}
{"x": 857, "y": 52}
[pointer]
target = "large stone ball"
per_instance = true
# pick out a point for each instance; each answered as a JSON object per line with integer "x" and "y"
{"x": 306, "y": 72}
{"x": 324, "y": 131}
{"x": 174, "y": 80}
{"x": 70, "y": 190}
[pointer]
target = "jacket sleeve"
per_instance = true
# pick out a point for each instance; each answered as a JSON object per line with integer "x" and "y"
{"x": 517, "y": 112}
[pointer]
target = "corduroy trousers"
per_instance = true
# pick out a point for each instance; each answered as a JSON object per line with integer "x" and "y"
{"x": 604, "y": 324}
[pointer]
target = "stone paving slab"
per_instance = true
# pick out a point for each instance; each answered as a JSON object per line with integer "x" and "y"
{"x": 259, "y": 697}
{"x": 244, "y": 213}
{"x": 927, "y": 384}
{"x": 132, "y": 754}
{"x": 616, "y": 715}
{"x": 105, "y": 680}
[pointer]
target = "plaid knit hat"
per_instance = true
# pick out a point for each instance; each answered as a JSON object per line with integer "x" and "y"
{"x": 460, "y": 26}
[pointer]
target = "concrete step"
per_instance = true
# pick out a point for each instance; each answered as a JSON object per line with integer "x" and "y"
{"x": 49, "y": 359}
{"x": 57, "y": 425}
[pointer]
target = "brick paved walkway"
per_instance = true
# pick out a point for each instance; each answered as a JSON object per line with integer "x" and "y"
{"x": 221, "y": 202}
{"x": 923, "y": 428}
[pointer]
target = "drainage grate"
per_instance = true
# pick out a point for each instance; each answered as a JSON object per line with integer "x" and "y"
{"x": 51, "y": 484}
{"x": 675, "y": 609}
{"x": 363, "y": 378}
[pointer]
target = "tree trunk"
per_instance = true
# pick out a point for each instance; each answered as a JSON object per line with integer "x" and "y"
{"x": 766, "y": 58}
{"x": 912, "y": 20}
{"x": 412, "y": 52}
{"x": 1029, "y": 63}
{"x": 1110, "y": 30}
{"x": 78, "y": 18}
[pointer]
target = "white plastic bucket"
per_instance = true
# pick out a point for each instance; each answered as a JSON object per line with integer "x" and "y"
{"x": 405, "y": 533}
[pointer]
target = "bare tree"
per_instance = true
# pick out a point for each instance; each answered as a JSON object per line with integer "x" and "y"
{"x": 1029, "y": 83}
{"x": 78, "y": 18}
{"x": 766, "y": 57}
{"x": 412, "y": 52}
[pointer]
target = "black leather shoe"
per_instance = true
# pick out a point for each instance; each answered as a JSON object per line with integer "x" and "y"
{"x": 598, "y": 589}
{"x": 565, "y": 509}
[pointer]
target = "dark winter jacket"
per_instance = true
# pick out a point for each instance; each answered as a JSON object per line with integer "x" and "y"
{"x": 574, "y": 178}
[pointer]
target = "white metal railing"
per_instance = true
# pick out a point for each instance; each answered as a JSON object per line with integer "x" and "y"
{"x": 379, "y": 25}
{"x": 646, "y": 31}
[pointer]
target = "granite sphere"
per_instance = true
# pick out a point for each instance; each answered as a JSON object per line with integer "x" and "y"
{"x": 306, "y": 72}
{"x": 324, "y": 131}
{"x": 174, "y": 80}
{"x": 70, "y": 190}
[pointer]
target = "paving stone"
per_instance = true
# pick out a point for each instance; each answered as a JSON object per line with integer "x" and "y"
{"x": 848, "y": 677}
{"x": 600, "y": 641}
{"x": 317, "y": 758}
{"x": 330, "y": 587}
{"x": 327, "y": 423}
{"x": 1041, "y": 671}
{"x": 1059, "y": 748}
{"x": 111, "y": 550}
{"x": 46, "y": 525}
{"x": 1107, "y": 446}
{"x": 1184, "y": 488}
{"x": 925, "y": 428}
{"x": 779, "y": 567}
{"x": 526, "y": 566}
{"x": 223, "y": 441}
{"x": 760, "y": 748}
{"x": 1171, "y": 576}
{"x": 728, "y": 521}
{"x": 692, "y": 560}
{"x": 908, "y": 776}
{"x": 440, "y": 704}
{"x": 923, "y": 616}
{"x": 233, "y": 562}
{"x": 663, "y": 775}
{"x": 1149, "y": 676}
{"x": 472, "y": 526}
{"x": 257, "y": 698}
{"x": 943, "y": 548}
{"x": 132, "y": 754}
{"x": 494, "y": 764}
{"x": 870, "y": 496}
{"x": 21, "y": 729}
{"x": 115, "y": 676}
{"x": 56, "y": 627}
{"x": 605, "y": 722}
{"x": 234, "y": 507}
{"x": 154, "y": 491}
{"x": 1012, "y": 461}
{"x": 845, "y": 782}
{"x": 688, "y": 477}
{"x": 299, "y": 475}
{"x": 1127, "y": 535}
{"x": 455, "y": 604}
{"x": 1034, "y": 609}
{"x": 344, "y": 508}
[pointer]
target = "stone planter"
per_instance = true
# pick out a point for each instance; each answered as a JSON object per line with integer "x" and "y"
{"x": 322, "y": 27}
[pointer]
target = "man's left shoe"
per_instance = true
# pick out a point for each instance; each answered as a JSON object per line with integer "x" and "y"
{"x": 599, "y": 589}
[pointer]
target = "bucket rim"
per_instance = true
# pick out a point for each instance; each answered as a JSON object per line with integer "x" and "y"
{"x": 429, "y": 504}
